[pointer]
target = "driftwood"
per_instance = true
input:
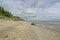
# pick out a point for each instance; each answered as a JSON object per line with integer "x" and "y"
{"x": 32, "y": 23}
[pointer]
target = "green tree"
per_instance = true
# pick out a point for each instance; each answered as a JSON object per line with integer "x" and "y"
{"x": 6, "y": 14}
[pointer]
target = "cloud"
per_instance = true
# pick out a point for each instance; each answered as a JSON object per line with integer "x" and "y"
{"x": 33, "y": 9}
{"x": 54, "y": 10}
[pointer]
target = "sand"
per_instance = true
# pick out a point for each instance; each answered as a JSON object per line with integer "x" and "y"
{"x": 20, "y": 30}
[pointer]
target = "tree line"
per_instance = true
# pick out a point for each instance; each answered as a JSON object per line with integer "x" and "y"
{"x": 6, "y": 14}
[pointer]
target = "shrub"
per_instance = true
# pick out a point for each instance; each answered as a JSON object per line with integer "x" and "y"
{"x": 6, "y": 14}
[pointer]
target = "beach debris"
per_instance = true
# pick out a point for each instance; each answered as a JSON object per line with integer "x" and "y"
{"x": 32, "y": 23}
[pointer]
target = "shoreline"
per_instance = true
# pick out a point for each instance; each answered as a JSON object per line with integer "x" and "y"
{"x": 48, "y": 26}
{"x": 22, "y": 30}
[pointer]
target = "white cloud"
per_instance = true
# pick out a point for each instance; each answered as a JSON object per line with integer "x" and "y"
{"x": 37, "y": 9}
{"x": 31, "y": 11}
{"x": 54, "y": 9}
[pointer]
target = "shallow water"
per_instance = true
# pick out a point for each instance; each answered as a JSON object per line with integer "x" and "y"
{"x": 52, "y": 25}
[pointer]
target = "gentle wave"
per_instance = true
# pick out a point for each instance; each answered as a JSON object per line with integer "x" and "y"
{"x": 52, "y": 25}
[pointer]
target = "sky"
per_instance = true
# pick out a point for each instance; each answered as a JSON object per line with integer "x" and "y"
{"x": 33, "y": 9}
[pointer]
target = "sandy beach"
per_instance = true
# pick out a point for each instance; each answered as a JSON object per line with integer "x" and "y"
{"x": 20, "y": 30}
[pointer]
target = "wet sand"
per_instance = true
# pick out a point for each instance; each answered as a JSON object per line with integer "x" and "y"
{"x": 20, "y": 30}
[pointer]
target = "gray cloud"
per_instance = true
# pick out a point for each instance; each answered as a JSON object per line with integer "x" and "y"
{"x": 33, "y": 9}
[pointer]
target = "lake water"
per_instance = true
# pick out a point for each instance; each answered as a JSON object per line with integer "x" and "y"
{"x": 52, "y": 25}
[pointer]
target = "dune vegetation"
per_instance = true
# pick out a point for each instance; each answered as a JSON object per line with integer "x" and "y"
{"x": 6, "y": 15}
